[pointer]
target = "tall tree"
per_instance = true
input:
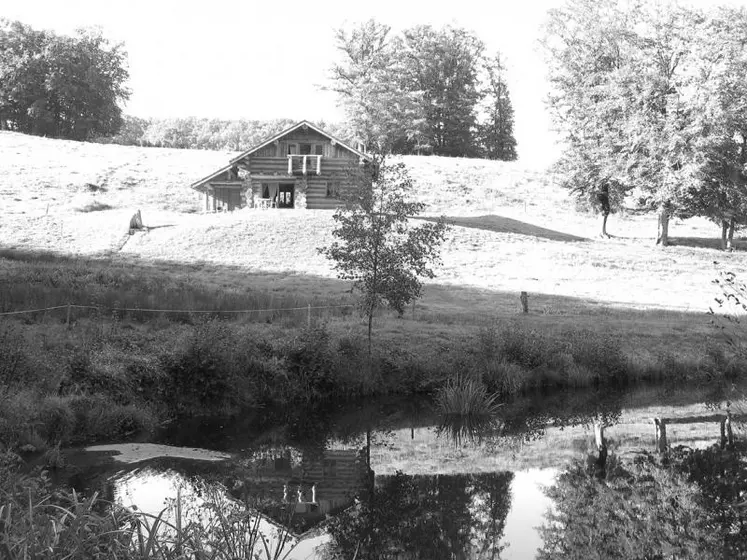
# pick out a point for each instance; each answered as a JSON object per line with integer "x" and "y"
{"x": 444, "y": 64}
{"x": 618, "y": 81}
{"x": 497, "y": 130}
{"x": 368, "y": 82}
{"x": 61, "y": 86}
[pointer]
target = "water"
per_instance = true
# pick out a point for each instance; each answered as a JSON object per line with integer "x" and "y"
{"x": 393, "y": 474}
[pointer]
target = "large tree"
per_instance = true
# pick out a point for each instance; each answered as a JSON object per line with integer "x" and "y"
{"x": 54, "y": 85}
{"x": 444, "y": 65}
{"x": 497, "y": 129}
{"x": 649, "y": 98}
{"x": 368, "y": 81}
{"x": 426, "y": 90}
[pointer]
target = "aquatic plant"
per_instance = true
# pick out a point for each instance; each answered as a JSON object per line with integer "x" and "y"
{"x": 466, "y": 396}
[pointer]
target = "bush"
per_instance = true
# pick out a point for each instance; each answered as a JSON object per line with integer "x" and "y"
{"x": 310, "y": 365}
{"x": 528, "y": 349}
{"x": 55, "y": 420}
{"x": 99, "y": 419}
{"x": 207, "y": 374}
{"x": 598, "y": 353}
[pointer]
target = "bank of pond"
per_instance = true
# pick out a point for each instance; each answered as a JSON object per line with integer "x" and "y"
{"x": 397, "y": 478}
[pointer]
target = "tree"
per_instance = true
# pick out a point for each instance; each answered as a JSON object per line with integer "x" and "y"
{"x": 61, "y": 86}
{"x": 368, "y": 82}
{"x": 421, "y": 91}
{"x": 444, "y": 66}
{"x": 641, "y": 511}
{"x": 377, "y": 247}
{"x": 497, "y": 131}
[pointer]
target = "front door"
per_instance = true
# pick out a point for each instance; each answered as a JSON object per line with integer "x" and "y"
{"x": 285, "y": 195}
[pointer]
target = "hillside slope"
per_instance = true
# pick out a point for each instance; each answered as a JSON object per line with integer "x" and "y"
{"x": 513, "y": 229}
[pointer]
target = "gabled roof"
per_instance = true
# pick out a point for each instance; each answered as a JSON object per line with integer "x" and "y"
{"x": 291, "y": 129}
{"x": 214, "y": 174}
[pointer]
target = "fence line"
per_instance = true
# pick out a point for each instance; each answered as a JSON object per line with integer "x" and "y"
{"x": 100, "y": 307}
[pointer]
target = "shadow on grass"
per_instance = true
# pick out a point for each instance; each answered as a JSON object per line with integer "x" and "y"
{"x": 501, "y": 224}
{"x": 706, "y": 243}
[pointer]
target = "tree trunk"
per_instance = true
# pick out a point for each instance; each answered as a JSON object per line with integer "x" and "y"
{"x": 370, "y": 328}
{"x": 663, "y": 237}
{"x": 605, "y": 215}
{"x": 730, "y": 239}
{"x": 601, "y": 461}
{"x": 724, "y": 232}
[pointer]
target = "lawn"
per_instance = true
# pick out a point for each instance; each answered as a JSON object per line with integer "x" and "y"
{"x": 513, "y": 229}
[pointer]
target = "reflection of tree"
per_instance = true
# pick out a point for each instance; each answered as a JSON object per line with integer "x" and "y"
{"x": 643, "y": 511}
{"x": 426, "y": 517}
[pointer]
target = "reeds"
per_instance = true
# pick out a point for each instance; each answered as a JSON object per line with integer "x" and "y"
{"x": 466, "y": 396}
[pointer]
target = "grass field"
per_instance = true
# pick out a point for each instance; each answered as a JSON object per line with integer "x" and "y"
{"x": 513, "y": 229}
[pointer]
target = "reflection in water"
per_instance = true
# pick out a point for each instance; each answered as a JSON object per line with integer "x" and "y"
{"x": 444, "y": 487}
{"x": 425, "y": 517}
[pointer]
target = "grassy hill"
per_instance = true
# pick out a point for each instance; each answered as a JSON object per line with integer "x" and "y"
{"x": 514, "y": 230}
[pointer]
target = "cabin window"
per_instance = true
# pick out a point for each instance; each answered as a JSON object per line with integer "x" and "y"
{"x": 292, "y": 149}
{"x": 305, "y": 149}
{"x": 318, "y": 149}
{"x": 265, "y": 190}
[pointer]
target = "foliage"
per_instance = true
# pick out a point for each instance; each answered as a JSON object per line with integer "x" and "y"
{"x": 378, "y": 249}
{"x": 204, "y": 375}
{"x": 650, "y": 103}
{"x": 688, "y": 506}
{"x": 39, "y": 522}
{"x": 421, "y": 91}
{"x": 648, "y": 511}
{"x": 67, "y": 87}
{"x": 424, "y": 517}
{"x": 496, "y": 132}
{"x": 207, "y": 134}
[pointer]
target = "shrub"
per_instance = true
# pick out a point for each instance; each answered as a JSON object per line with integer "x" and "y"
{"x": 503, "y": 377}
{"x": 55, "y": 420}
{"x": 310, "y": 364}
{"x": 598, "y": 353}
{"x": 207, "y": 373}
{"x": 99, "y": 419}
{"x": 528, "y": 349}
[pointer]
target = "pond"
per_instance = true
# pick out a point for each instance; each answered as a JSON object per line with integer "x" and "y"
{"x": 393, "y": 473}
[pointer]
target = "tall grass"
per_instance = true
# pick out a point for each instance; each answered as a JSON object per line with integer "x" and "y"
{"x": 36, "y": 522}
{"x": 466, "y": 396}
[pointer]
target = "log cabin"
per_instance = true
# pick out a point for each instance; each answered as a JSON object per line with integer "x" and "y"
{"x": 300, "y": 167}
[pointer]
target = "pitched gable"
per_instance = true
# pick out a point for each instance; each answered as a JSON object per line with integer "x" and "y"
{"x": 286, "y": 132}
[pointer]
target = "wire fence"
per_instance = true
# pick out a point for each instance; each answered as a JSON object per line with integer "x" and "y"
{"x": 105, "y": 309}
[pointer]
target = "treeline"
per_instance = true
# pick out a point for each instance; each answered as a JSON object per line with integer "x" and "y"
{"x": 207, "y": 134}
{"x": 60, "y": 86}
{"x": 426, "y": 90}
{"x": 651, "y": 100}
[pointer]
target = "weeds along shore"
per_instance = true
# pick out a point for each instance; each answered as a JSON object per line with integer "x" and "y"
{"x": 97, "y": 373}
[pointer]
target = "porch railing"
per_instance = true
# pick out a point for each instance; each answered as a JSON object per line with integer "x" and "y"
{"x": 304, "y": 164}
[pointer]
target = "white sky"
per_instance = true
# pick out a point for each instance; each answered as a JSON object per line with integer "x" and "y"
{"x": 266, "y": 59}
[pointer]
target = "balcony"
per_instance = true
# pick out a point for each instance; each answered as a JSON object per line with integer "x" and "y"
{"x": 304, "y": 164}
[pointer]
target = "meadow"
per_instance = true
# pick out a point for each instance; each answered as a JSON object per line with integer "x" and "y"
{"x": 174, "y": 318}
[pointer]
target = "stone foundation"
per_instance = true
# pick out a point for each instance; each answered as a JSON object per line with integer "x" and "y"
{"x": 299, "y": 195}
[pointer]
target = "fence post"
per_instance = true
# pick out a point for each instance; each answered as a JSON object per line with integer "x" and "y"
{"x": 661, "y": 434}
{"x": 524, "y": 302}
{"x": 308, "y": 317}
{"x": 67, "y": 320}
{"x": 727, "y": 437}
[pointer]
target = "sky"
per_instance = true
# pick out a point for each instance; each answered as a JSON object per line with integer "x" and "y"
{"x": 269, "y": 59}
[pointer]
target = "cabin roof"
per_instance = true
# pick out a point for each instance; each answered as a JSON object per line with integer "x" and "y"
{"x": 291, "y": 129}
{"x": 198, "y": 184}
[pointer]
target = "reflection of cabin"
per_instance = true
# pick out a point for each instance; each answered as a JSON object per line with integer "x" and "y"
{"x": 301, "y": 167}
{"x": 305, "y": 489}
